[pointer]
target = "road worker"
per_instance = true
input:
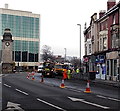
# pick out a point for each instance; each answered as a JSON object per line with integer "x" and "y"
{"x": 77, "y": 71}
{"x": 65, "y": 74}
{"x": 69, "y": 73}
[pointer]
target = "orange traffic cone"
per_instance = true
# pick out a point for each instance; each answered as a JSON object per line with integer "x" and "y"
{"x": 88, "y": 88}
{"x": 33, "y": 78}
{"x": 32, "y": 73}
{"x": 62, "y": 85}
{"x": 42, "y": 80}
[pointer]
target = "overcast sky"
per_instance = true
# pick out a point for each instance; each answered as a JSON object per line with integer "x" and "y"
{"x": 59, "y": 19}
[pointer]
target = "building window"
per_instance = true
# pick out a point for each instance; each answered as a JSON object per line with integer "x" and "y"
{"x": 115, "y": 67}
{"x": 104, "y": 43}
{"x": 90, "y": 48}
{"x": 21, "y": 26}
{"x": 36, "y": 57}
{"x": 101, "y": 44}
{"x": 24, "y": 56}
{"x": 31, "y": 57}
{"x": 108, "y": 67}
{"x": 85, "y": 49}
{"x": 113, "y": 19}
{"x": 18, "y": 56}
{"x": 114, "y": 41}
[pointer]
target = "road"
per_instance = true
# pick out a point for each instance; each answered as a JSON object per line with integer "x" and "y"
{"x": 26, "y": 94}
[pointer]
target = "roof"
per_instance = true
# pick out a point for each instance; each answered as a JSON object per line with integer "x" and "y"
{"x": 111, "y": 10}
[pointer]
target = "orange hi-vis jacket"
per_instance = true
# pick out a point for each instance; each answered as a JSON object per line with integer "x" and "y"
{"x": 65, "y": 74}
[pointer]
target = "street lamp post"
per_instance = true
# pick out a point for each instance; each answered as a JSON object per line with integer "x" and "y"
{"x": 65, "y": 53}
{"x": 80, "y": 44}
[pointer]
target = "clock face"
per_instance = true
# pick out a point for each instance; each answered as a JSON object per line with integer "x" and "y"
{"x": 7, "y": 43}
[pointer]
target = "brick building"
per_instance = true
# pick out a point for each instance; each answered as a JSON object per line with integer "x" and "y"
{"x": 103, "y": 35}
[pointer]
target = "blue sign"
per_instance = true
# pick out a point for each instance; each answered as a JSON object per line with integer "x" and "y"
{"x": 100, "y": 59}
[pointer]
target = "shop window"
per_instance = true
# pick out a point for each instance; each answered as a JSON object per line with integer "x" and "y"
{"x": 115, "y": 68}
{"x": 108, "y": 67}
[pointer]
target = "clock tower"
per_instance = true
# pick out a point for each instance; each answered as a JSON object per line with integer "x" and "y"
{"x": 7, "y": 60}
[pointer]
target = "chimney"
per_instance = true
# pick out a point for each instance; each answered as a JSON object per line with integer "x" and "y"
{"x": 94, "y": 16}
{"x": 6, "y": 6}
{"x": 110, "y": 4}
{"x": 85, "y": 26}
{"x": 101, "y": 13}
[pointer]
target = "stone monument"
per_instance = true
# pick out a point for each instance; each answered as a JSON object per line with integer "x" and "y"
{"x": 7, "y": 44}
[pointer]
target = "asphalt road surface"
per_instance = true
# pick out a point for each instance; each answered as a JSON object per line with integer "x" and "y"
{"x": 22, "y": 93}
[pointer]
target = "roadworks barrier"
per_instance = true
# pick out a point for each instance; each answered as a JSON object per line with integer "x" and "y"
{"x": 28, "y": 76}
{"x": 88, "y": 87}
{"x": 31, "y": 76}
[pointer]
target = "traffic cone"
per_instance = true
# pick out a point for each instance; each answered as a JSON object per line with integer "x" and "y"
{"x": 33, "y": 78}
{"x": 88, "y": 88}
{"x": 33, "y": 73}
{"x": 62, "y": 85}
{"x": 42, "y": 80}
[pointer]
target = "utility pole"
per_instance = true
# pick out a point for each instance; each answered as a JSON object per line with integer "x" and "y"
{"x": 65, "y": 54}
{"x": 80, "y": 44}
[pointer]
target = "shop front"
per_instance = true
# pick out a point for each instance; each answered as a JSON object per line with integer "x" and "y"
{"x": 112, "y": 62}
{"x": 100, "y": 67}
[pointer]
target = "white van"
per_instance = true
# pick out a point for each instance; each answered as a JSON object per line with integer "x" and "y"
{"x": 40, "y": 68}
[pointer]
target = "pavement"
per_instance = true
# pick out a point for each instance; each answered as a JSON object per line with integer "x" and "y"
{"x": 107, "y": 82}
{"x": 100, "y": 81}
{"x": 77, "y": 78}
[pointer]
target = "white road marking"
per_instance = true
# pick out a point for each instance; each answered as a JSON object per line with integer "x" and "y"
{"x": 0, "y": 82}
{"x": 13, "y": 107}
{"x": 21, "y": 92}
{"x": 101, "y": 96}
{"x": 108, "y": 98}
{"x": 114, "y": 99}
{"x": 50, "y": 104}
{"x": 104, "y": 107}
{"x": 82, "y": 100}
{"x": 74, "y": 90}
{"x": 7, "y": 85}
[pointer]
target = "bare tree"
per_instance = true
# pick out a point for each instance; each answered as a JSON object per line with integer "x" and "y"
{"x": 47, "y": 53}
{"x": 75, "y": 61}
